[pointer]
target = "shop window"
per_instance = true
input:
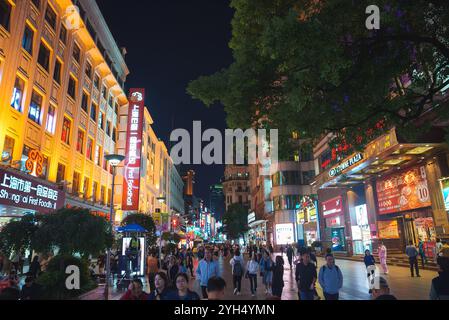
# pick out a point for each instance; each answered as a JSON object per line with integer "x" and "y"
{"x": 27, "y": 40}
{"x": 50, "y": 126}
{"x": 71, "y": 89}
{"x": 57, "y": 72}
{"x": 60, "y": 174}
{"x": 8, "y": 150}
{"x": 44, "y": 56}
{"x": 76, "y": 183}
{"x": 80, "y": 142}
{"x": 34, "y": 113}
{"x": 84, "y": 101}
{"x": 89, "y": 151}
{"x": 93, "y": 111}
{"x": 76, "y": 53}
{"x": 63, "y": 34}
{"x": 17, "y": 94}
{"x": 50, "y": 17}
{"x": 66, "y": 130}
{"x": 5, "y": 13}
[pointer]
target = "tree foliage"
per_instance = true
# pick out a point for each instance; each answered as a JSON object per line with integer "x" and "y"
{"x": 73, "y": 231}
{"x": 235, "y": 221}
{"x": 145, "y": 221}
{"x": 313, "y": 67}
{"x": 16, "y": 235}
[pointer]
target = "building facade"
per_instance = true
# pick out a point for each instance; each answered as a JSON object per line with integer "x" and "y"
{"x": 176, "y": 190}
{"x": 61, "y": 89}
{"x": 217, "y": 201}
{"x": 236, "y": 185}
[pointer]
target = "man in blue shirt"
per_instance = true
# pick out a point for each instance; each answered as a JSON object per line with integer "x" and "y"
{"x": 330, "y": 279}
{"x": 412, "y": 254}
{"x": 207, "y": 268}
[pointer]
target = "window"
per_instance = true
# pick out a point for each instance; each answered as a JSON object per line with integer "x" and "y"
{"x": 37, "y": 3}
{"x": 76, "y": 183}
{"x": 8, "y": 150}
{"x": 89, "y": 151}
{"x": 35, "y": 108}
{"x": 95, "y": 192}
{"x": 93, "y": 112}
{"x": 114, "y": 135}
{"x": 80, "y": 142}
{"x": 5, "y": 13}
{"x": 50, "y": 17}
{"x": 96, "y": 81}
{"x": 97, "y": 155}
{"x": 63, "y": 34}
{"x": 105, "y": 162}
{"x": 44, "y": 56}
{"x": 86, "y": 188}
{"x": 101, "y": 121}
{"x": 102, "y": 195}
{"x": 66, "y": 127}
{"x": 110, "y": 100}
{"x": 76, "y": 53}
{"x": 84, "y": 101}
{"x": 45, "y": 167}
{"x": 108, "y": 128}
{"x": 116, "y": 108}
{"x": 51, "y": 119}
{"x": 88, "y": 70}
{"x": 71, "y": 90}
{"x": 307, "y": 177}
{"x": 57, "y": 73}
{"x": 60, "y": 175}
{"x": 17, "y": 94}
{"x": 104, "y": 92}
{"x": 27, "y": 40}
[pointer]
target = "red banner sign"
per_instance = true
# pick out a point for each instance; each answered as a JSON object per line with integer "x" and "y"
{"x": 131, "y": 178}
{"x": 333, "y": 207}
{"x": 403, "y": 191}
{"x": 29, "y": 193}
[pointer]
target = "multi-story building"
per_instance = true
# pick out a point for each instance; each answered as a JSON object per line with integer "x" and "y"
{"x": 61, "y": 89}
{"x": 235, "y": 185}
{"x": 177, "y": 205}
{"x": 216, "y": 201}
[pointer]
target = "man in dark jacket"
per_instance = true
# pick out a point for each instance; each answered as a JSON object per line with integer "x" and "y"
{"x": 306, "y": 277}
{"x": 290, "y": 253}
{"x": 31, "y": 290}
{"x": 382, "y": 291}
{"x": 440, "y": 285}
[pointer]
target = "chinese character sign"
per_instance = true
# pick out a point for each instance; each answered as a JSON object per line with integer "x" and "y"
{"x": 131, "y": 176}
{"x": 30, "y": 194}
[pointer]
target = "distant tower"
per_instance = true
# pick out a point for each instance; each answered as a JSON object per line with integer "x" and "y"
{"x": 189, "y": 180}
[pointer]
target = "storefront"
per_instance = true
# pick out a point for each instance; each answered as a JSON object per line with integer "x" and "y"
{"x": 361, "y": 231}
{"x": 257, "y": 233}
{"x": 334, "y": 222}
{"x": 307, "y": 221}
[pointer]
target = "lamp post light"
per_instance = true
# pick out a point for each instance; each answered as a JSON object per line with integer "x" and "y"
{"x": 114, "y": 160}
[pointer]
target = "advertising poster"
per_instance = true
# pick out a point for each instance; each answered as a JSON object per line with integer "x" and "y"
{"x": 284, "y": 234}
{"x": 445, "y": 190}
{"x": 338, "y": 239}
{"x": 332, "y": 207}
{"x": 388, "y": 229}
{"x": 404, "y": 191}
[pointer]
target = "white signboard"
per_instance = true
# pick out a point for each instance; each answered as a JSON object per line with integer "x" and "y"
{"x": 285, "y": 234}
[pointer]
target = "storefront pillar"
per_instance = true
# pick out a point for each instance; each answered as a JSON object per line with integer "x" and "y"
{"x": 372, "y": 212}
{"x": 351, "y": 198}
{"x": 440, "y": 215}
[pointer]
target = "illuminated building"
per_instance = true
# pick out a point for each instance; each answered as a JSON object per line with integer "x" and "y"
{"x": 61, "y": 88}
{"x": 235, "y": 185}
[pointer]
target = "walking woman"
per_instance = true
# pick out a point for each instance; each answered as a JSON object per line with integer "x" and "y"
{"x": 160, "y": 291}
{"x": 266, "y": 271}
{"x": 182, "y": 291}
{"x": 278, "y": 277}
{"x": 173, "y": 270}
{"x": 383, "y": 257}
{"x": 252, "y": 269}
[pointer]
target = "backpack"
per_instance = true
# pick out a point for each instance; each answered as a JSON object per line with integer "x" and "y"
{"x": 237, "y": 270}
{"x": 336, "y": 268}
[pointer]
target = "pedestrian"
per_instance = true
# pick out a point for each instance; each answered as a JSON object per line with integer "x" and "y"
{"x": 412, "y": 255}
{"x": 271, "y": 249}
{"x": 438, "y": 247}
{"x": 278, "y": 277}
{"x": 252, "y": 269}
{"x": 282, "y": 251}
{"x": 135, "y": 292}
{"x": 440, "y": 285}
{"x": 383, "y": 257}
{"x": 207, "y": 268}
{"x": 370, "y": 264}
{"x": 266, "y": 271}
{"x": 422, "y": 253}
{"x": 216, "y": 288}
{"x": 306, "y": 277}
{"x": 330, "y": 279}
{"x": 182, "y": 263}
{"x": 237, "y": 263}
{"x": 200, "y": 253}
{"x": 189, "y": 260}
{"x": 182, "y": 291}
{"x": 382, "y": 292}
{"x": 30, "y": 290}
{"x": 161, "y": 290}
{"x": 290, "y": 253}
{"x": 152, "y": 269}
{"x": 35, "y": 267}
{"x": 173, "y": 270}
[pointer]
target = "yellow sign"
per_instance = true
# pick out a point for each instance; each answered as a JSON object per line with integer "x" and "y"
{"x": 157, "y": 218}
{"x": 388, "y": 229}
{"x": 381, "y": 144}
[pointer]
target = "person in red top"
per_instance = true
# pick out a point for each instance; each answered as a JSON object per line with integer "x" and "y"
{"x": 136, "y": 292}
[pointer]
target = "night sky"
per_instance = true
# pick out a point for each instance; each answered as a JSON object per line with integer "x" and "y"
{"x": 170, "y": 43}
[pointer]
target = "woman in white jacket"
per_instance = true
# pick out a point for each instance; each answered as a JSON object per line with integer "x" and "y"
{"x": 252, "y": 269}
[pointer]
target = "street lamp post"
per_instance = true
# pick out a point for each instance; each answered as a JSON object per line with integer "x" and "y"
{"x": 114, "y": 160}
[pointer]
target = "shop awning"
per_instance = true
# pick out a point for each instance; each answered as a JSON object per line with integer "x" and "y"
{"x": 257, "y": 223}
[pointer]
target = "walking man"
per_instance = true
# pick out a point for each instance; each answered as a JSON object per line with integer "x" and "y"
{"x": 412, "y": 254}
{"x": 290, "y": 253}
{"x": 330, "y": 279}
{"x": 207, "y": 268}
{"x": 237, "y": 271}
{"x": 306, "y": 277}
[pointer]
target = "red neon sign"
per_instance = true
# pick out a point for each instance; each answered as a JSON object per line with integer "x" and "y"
{"x": 131, "y": 178}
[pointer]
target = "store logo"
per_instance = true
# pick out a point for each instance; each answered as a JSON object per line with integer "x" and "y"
{"x": 35, "y": 162}
{"x": 345, "y": 165}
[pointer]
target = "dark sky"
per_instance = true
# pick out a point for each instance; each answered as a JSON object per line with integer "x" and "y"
{"x": 170, "y": 43}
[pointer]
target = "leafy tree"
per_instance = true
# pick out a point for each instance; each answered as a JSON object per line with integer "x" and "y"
{"x": 313, "y": 67}
{"x": 16, "y": 235}
{"x": 145, "y": 221}
{"x": 73, "y": 231}
{"x": 172, "y": 237}
{"x": 235, "y": 221}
